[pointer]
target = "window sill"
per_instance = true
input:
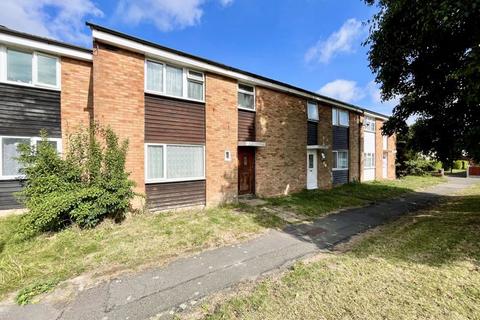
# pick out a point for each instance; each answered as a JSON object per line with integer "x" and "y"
{"x": 341, "y": 125}
{"x": 28, "y": 85}
{"x": 11, "y": 178}
{"x": 174, "y": 97}
{"x": 339, "y": 169}
{"x": 172, "y": 180}
{"x": 246, "y": 109}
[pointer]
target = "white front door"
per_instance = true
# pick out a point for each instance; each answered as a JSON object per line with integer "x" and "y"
{"x": 385, "y": 165}
{"x": 312, "y": 169}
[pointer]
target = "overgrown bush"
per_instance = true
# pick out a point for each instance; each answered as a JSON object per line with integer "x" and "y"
{"x": 84, "y": 187}
{"x": 460, "y": 164}
{"x": 419, "y": 167}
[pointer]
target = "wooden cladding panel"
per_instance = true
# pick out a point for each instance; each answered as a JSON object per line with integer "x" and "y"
{"x": 8, "y": 188}
{"x": 339, "y": 177}
{"x": 312, "y": 133}
{"x": 340, "y": 138}
{"x": 246, "y": 125}
{"x": 25, "y": 111}
{"x": 173, "y": 121}
{"x": 162, "y": 196}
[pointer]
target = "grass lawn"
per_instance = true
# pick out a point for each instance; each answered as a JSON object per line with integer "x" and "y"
{"x": 423, "y": 266}
{"x": 316, "y": 203}
{"x": 40, "y": 263}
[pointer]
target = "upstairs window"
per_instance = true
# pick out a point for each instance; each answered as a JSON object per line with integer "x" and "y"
{"x": 369, "y": 124}
{"x": 340, "y": 117}
{"x": 195, "y": 85}
{"x": 312, "y": 111}
{"x": 169, "y": 80}
{"x": 385, "y": 142}
{"x": 246, "y": 97}
{"x": 32, "y": 68}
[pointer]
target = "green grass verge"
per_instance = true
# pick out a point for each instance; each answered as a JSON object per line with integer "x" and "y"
{"x": 423, "y": 266}
{"x": 156, "y": 239}
{"x": 139, "y": 240}
{"x": 316, "y": 203}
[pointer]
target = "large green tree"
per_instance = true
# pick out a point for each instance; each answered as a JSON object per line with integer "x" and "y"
{"x": 428, "y": 54}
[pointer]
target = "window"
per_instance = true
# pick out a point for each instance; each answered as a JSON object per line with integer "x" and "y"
{"x": 161, "y": 78}
{"x": 46, "y": 70}
{"x": 312, "y": 111}
{"x": 154, "y": 76}
{"x": 369, "y": 160}
{"x": 340, "y": 117}
{"x": 369, "y": 124}
{"x": 195, "y": 85}
{"x": 9, "y": 165}
{"x": 246, "y": 97}
{"x": 385, "y": 142}
{"x": 340, "y": 160}
{"x": 166, "y": 162}
{"x": 19, "y": 66}
{"x": 30, "y": 68}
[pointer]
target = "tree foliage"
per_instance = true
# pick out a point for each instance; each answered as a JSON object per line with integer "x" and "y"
{"x": 428, "y": 54}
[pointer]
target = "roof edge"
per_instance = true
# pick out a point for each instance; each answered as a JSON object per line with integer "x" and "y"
{"x": 236, "y": 70}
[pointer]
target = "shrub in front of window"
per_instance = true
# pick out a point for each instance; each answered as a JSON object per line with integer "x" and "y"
{"x": 86, "y": 186}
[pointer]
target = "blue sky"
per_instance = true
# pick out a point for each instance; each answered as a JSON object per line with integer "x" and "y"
{"x": 313, "y": 44}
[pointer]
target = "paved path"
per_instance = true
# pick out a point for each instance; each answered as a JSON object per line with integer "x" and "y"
{"x": 158, "y": 292}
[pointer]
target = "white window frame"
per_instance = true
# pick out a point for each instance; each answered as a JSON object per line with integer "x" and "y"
{"x": 385, "y": 142}
{"x": 35, "y": 54}
{"x": 249, "y": 93}
{"x": 185, "y": 78}
{"x": 33, "y": 142}
{"x": 336, "y": 120}
{"x": 165, "y": 179}
{"x": 308, "y": 113}
{"x": 335, "y": 155}
{"x": 371, "y": 121}
{"x": 365, "y": 162}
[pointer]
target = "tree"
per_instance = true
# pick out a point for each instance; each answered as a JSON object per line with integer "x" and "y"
{"x": 428, "y": 54}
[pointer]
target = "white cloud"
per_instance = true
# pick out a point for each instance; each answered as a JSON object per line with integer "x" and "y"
{"x": 59, "y": 19}
{"x": 345, "y": 90}
{"x": 367, "y": 96}
{"x": 341, "y": 41}
{"x": 166, "y": 15}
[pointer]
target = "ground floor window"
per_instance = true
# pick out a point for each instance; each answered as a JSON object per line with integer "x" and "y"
{"x": 369, "y": 160}
{"x": 340, "y": 160}
{"x": 9, "y": 165}
{"x": 174, "y": 162}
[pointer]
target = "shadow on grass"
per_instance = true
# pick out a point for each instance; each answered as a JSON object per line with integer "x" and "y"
{"x": 316, "y": 203}
{"x": 441, "y": 235}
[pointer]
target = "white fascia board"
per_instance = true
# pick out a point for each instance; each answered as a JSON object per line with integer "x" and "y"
{"x": 375, "y": 116}
{"x": 258, "y": 144}
{"x": 189, "y": 62}
{"x": 9, "y": 39}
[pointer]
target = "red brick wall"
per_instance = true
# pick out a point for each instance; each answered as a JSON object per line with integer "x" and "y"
{"x": 325, "y": 137}
{"x": 281, "y": 123}
{"x": 221, "y": 117}
{"x": 76, "y": 96}
{"x": 118, "y": 96}
{"x": 392, "y": 155}
{"x": 354, "y": 147}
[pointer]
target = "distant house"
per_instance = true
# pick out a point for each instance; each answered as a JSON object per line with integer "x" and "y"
{"x": 200, "y": 132}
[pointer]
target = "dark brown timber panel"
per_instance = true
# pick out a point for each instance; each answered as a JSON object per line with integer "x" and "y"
{"x": 161, "y": 196}
{"x": 8, "y": 188}
{"x": 25, "y": 111}
{"x": 312, "y": 133}
{"x": 173, "y": 121}
{"x": 246, "y": 125}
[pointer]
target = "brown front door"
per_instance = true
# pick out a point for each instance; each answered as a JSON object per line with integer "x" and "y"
{"x": 246, "y": 170}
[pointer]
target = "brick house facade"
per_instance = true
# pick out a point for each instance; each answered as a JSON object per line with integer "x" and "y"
{"x": 200, "y": 133}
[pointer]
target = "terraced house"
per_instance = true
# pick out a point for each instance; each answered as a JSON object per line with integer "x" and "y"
{"x": 200, "y": 132}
